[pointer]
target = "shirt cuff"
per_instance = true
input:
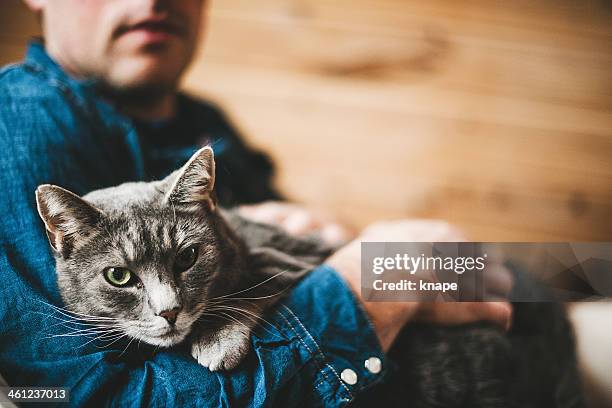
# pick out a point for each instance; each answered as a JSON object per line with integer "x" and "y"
{"x": 334, "y": 336}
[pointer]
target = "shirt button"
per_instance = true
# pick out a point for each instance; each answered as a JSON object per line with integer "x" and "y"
{"x": 349, "y": 376}
{"x": 374, "y": 365}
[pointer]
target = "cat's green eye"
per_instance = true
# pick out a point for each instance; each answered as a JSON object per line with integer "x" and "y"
{"x": 186, "y": 258}
{"x": 118, "y": 276}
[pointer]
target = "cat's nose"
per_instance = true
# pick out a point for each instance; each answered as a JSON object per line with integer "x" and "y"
{"x": 170, "y": 315}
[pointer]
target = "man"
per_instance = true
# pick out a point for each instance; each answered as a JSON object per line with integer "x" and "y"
{"x": 97, "y": 105}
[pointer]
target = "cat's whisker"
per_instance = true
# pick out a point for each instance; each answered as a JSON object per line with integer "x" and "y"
{"x": 230, "y": 317}
{"x": 220, "y": 304}
{"x": 111, "y": 340}
{"x": 82, "y": 325}
{"x": 86, "y": 332}
{"x": 108, "y": 333}
{"x": 256, "y": 321}
{"x": 224, "y": 304}
{"x": 99, "y": 334}
{"x": 255, "y": 297}
{"x": 249, "y": 315}
{"x": 82, "y": 328}
{"x": 113, "y": 337}
{"x": 57, "y": 307}
{"x": 229, "y": 307}
{"x": 51, "y": 316}
{"x": 81, "y": 316}
{"x": 251, "y": 287}
{"x": 262, "y": 297}
{"x": 92, "y": 324}
{"x": 206, "y": 315}
{"x": 102, "y": 337}
{"x": 82, "y": 333}
{"x": 79, "y": 324}
{"x": 71, "y": 322}
{"x": 128, "y": 346}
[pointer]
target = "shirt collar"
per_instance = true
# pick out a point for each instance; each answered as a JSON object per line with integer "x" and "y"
{"x": 37, "y": 59}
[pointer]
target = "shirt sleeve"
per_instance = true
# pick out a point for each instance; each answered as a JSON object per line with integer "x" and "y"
{"x": 312, "y": 352}
{"x": 298, "y": 358}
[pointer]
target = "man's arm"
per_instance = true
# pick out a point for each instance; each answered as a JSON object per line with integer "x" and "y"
{"x": 297, "y": 357}
{"x": 322, "y": 330}
{"x": 388, "y": 318}
{"x": 315, "y": 334}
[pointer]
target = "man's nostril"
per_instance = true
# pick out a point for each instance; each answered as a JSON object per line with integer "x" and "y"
{"x": 170, "y": 315}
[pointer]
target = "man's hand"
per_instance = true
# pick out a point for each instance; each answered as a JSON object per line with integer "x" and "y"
{"x": 297, "y": 220}
{"x": 388, "y": 318}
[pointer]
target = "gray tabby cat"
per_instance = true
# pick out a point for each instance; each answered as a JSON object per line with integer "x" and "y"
{"x": 162, "y": 263}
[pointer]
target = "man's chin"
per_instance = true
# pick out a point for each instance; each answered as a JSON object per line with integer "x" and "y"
{"x": 145, "y": 73}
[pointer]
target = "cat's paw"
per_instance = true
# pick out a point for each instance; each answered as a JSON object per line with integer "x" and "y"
{"x": 223, "y": 351}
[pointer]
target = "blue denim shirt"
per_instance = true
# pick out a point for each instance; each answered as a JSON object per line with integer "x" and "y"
{"x": 54, "y": 129}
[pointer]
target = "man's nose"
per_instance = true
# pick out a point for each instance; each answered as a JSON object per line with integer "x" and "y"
{"x": 170, "y": 315}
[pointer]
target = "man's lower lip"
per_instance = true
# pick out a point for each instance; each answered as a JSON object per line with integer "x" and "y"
{"x": 151, "y": 36}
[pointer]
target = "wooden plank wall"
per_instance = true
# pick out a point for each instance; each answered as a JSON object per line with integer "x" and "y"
{"x": 494, "y": 115}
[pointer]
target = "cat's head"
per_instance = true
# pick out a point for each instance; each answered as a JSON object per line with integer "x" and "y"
{"x": 143, "y": 257}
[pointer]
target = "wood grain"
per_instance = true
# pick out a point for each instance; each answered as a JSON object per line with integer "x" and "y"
{"x": 494, "y": 115}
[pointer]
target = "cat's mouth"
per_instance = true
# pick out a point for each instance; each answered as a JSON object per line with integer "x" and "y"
{"x": 170, "y": 334}
{"x": 165, "y": 338}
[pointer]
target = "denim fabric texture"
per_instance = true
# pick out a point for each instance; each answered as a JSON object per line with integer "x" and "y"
{"x": 55, "y": 129}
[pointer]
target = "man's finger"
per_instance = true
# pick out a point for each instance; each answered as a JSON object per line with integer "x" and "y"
{"x": 499, "y": 313}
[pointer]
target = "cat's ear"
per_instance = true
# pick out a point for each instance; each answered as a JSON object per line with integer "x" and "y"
{"x": 67, "y": 217}
{"x": 194, "y": 183}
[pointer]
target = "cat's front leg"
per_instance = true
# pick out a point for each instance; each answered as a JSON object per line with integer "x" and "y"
{"x": 224, "y": 349}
